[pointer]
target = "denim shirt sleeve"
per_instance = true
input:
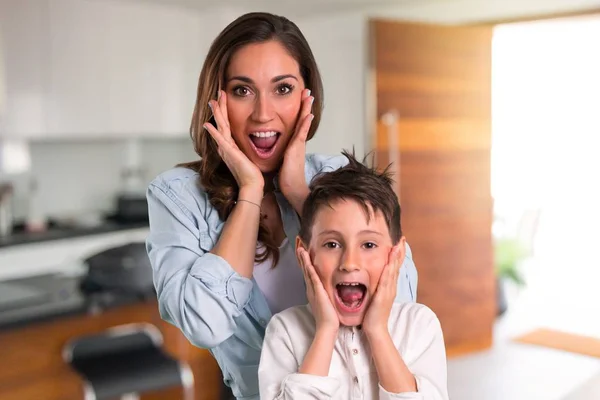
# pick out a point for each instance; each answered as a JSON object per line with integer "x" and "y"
{"x": 407, "y": 279}
{"x": 199, "y": 292}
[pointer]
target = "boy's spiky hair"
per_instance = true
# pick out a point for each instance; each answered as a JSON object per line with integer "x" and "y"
{"x": 356, "y": 181}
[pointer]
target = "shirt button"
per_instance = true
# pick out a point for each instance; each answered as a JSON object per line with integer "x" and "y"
{"x": 263, "y": 322}
{"x": 355, "y": 351}
{"x": 356, "y": 379}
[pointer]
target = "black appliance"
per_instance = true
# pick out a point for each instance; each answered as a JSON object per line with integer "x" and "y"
{"x": 123, "y": 270}
{"x": 131, "y": 208}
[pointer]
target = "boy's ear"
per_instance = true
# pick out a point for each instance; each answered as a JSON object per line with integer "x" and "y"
{"x": 401, "y": 249}
{"x": 300, "y": 245}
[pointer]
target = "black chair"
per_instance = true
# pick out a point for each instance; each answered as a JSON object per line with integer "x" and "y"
{"x": 124, "y": 361}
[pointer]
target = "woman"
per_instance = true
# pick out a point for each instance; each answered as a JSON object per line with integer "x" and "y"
{"x": 222, "y": 229}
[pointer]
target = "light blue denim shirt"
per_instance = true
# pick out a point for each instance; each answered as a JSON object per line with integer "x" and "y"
{"x": 200, "y": 293}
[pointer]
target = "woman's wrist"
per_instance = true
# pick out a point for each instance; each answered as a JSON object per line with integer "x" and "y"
{"x": 297, "y": 197}
{"x": 253, "y": 194}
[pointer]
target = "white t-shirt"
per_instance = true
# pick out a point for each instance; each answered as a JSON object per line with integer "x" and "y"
{"x": 283, "y": 286}
{"x": 415, "y": 331}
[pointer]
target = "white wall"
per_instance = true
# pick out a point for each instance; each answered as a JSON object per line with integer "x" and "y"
{"x": 88, "y": 175}
{"x": 338, "y": 44}
{"x": 76, "y": 177}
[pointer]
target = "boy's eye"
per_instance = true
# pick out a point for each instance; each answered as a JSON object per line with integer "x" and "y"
{"x": 241, "y": 91}
{"x": 331, "y": 245}
{"x": 370, "y": 245}
{"x": 284, "y": 88}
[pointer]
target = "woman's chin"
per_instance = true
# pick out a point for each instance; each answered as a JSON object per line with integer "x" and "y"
{"x": 269, "y": 166}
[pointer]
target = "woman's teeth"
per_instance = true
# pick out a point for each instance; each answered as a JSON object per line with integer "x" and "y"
{"x": 264, "y": 134}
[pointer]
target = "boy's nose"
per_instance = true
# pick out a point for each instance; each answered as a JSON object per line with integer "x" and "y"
{"x": 263, "y": 109}
{"x": 350, "y": 261}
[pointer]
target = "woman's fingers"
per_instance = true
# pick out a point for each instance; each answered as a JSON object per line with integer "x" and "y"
{"x": 305, "y": 110}
{"x": 215, "y": 134}
{"x": 302, "y": 132}
{"x": 222, "y": 101}
{"x": 222, "y": 123}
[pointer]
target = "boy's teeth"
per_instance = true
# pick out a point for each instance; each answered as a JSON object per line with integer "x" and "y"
{"x": 264, "y": 134}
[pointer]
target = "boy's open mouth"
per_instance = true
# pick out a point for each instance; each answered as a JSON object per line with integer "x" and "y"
{"x": 264, "y": 142}
{"x": 350, "y": 296}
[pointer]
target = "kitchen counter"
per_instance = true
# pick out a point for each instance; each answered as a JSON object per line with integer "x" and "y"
{"x": 56, "y": 232}
{"x": 31, "y": 366}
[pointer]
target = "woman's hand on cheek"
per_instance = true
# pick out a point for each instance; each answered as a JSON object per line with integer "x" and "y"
{"x": 245, "y": 172}
{"x": 292, "y": 180}
{"x": 326, "y": 317}
{"x": 378, "y": 313}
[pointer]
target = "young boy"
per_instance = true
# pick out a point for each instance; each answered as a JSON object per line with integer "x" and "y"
{"x": 352, "y": 341}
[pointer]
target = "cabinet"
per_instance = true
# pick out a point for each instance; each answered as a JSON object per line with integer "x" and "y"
{"x": 23, "y": 32}
{"x": 32, "y": 365}
{"x": 78, "y": 77}
{"x": 153, "y": 64}
{"x": 90, "y": 69}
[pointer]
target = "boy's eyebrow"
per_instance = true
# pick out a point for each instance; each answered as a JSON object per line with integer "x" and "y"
{"x": 250, "y": 81}
{"x": 370, "y": 231}
{"x": 333, "y": 231}
{"x": 328, "y": 232}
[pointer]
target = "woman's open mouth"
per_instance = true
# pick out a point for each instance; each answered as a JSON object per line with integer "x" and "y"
{"x": 350, "y": 296}
{"x": 264, "y": 143}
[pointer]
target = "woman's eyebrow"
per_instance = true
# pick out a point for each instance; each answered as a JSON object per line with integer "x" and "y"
{"x": 282, "y": 77}
{"x": 250, "y": 81}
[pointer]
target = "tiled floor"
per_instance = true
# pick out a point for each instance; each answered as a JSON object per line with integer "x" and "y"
{"x": 563, "y": 292}
{"x": 512, "y": 371}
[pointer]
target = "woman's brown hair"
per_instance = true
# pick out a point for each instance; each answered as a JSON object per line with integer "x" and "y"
{"x": 215, "y": 177}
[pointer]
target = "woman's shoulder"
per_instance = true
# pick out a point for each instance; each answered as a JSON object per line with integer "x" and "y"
{"x": 318, "y": 163}
{"x": 175, "y": 177}
{"x": 182, "y": 186}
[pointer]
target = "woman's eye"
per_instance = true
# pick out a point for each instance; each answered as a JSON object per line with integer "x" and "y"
{"x": 241, "y": 91}
{"x": 370, "y": 245}
{"x": 284, "y": 89}
{"x": 332, "y": 245}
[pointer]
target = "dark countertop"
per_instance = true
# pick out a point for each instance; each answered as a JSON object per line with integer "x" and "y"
{"x": 56, "y": 232}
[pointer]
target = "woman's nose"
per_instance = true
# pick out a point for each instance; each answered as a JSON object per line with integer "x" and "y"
{"x": 263, "y": 109}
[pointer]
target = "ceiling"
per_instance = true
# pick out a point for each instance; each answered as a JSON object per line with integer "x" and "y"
{"x": 450, "y": 11}
{"x": 290, "y": 8}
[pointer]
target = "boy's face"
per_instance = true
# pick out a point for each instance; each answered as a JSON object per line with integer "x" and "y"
{"x": 349, "y": 254}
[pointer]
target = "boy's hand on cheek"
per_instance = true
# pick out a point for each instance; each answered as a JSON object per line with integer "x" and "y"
{"x": 378, "y": 313}
{"x": 326, "y": 317}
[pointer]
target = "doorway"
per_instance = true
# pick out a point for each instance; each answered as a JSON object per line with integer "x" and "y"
{"x": 546, "y": 168}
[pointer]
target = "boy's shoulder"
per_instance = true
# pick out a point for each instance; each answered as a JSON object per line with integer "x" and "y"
{"x": 413, "y": 316}
{"x": 293, "y": 317}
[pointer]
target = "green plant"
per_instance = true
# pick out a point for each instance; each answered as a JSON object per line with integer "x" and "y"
{"x": 508, "y": 254}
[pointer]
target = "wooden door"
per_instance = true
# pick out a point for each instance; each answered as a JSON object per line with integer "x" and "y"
{"x": 432, "y": 86}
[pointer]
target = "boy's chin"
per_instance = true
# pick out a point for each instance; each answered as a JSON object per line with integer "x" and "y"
{"x": 351, "y": 320}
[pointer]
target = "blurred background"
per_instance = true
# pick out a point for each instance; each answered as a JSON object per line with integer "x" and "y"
{"x": 488, "y": 110}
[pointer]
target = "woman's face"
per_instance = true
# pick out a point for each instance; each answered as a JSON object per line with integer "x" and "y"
{"x": 264, "y": 93}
